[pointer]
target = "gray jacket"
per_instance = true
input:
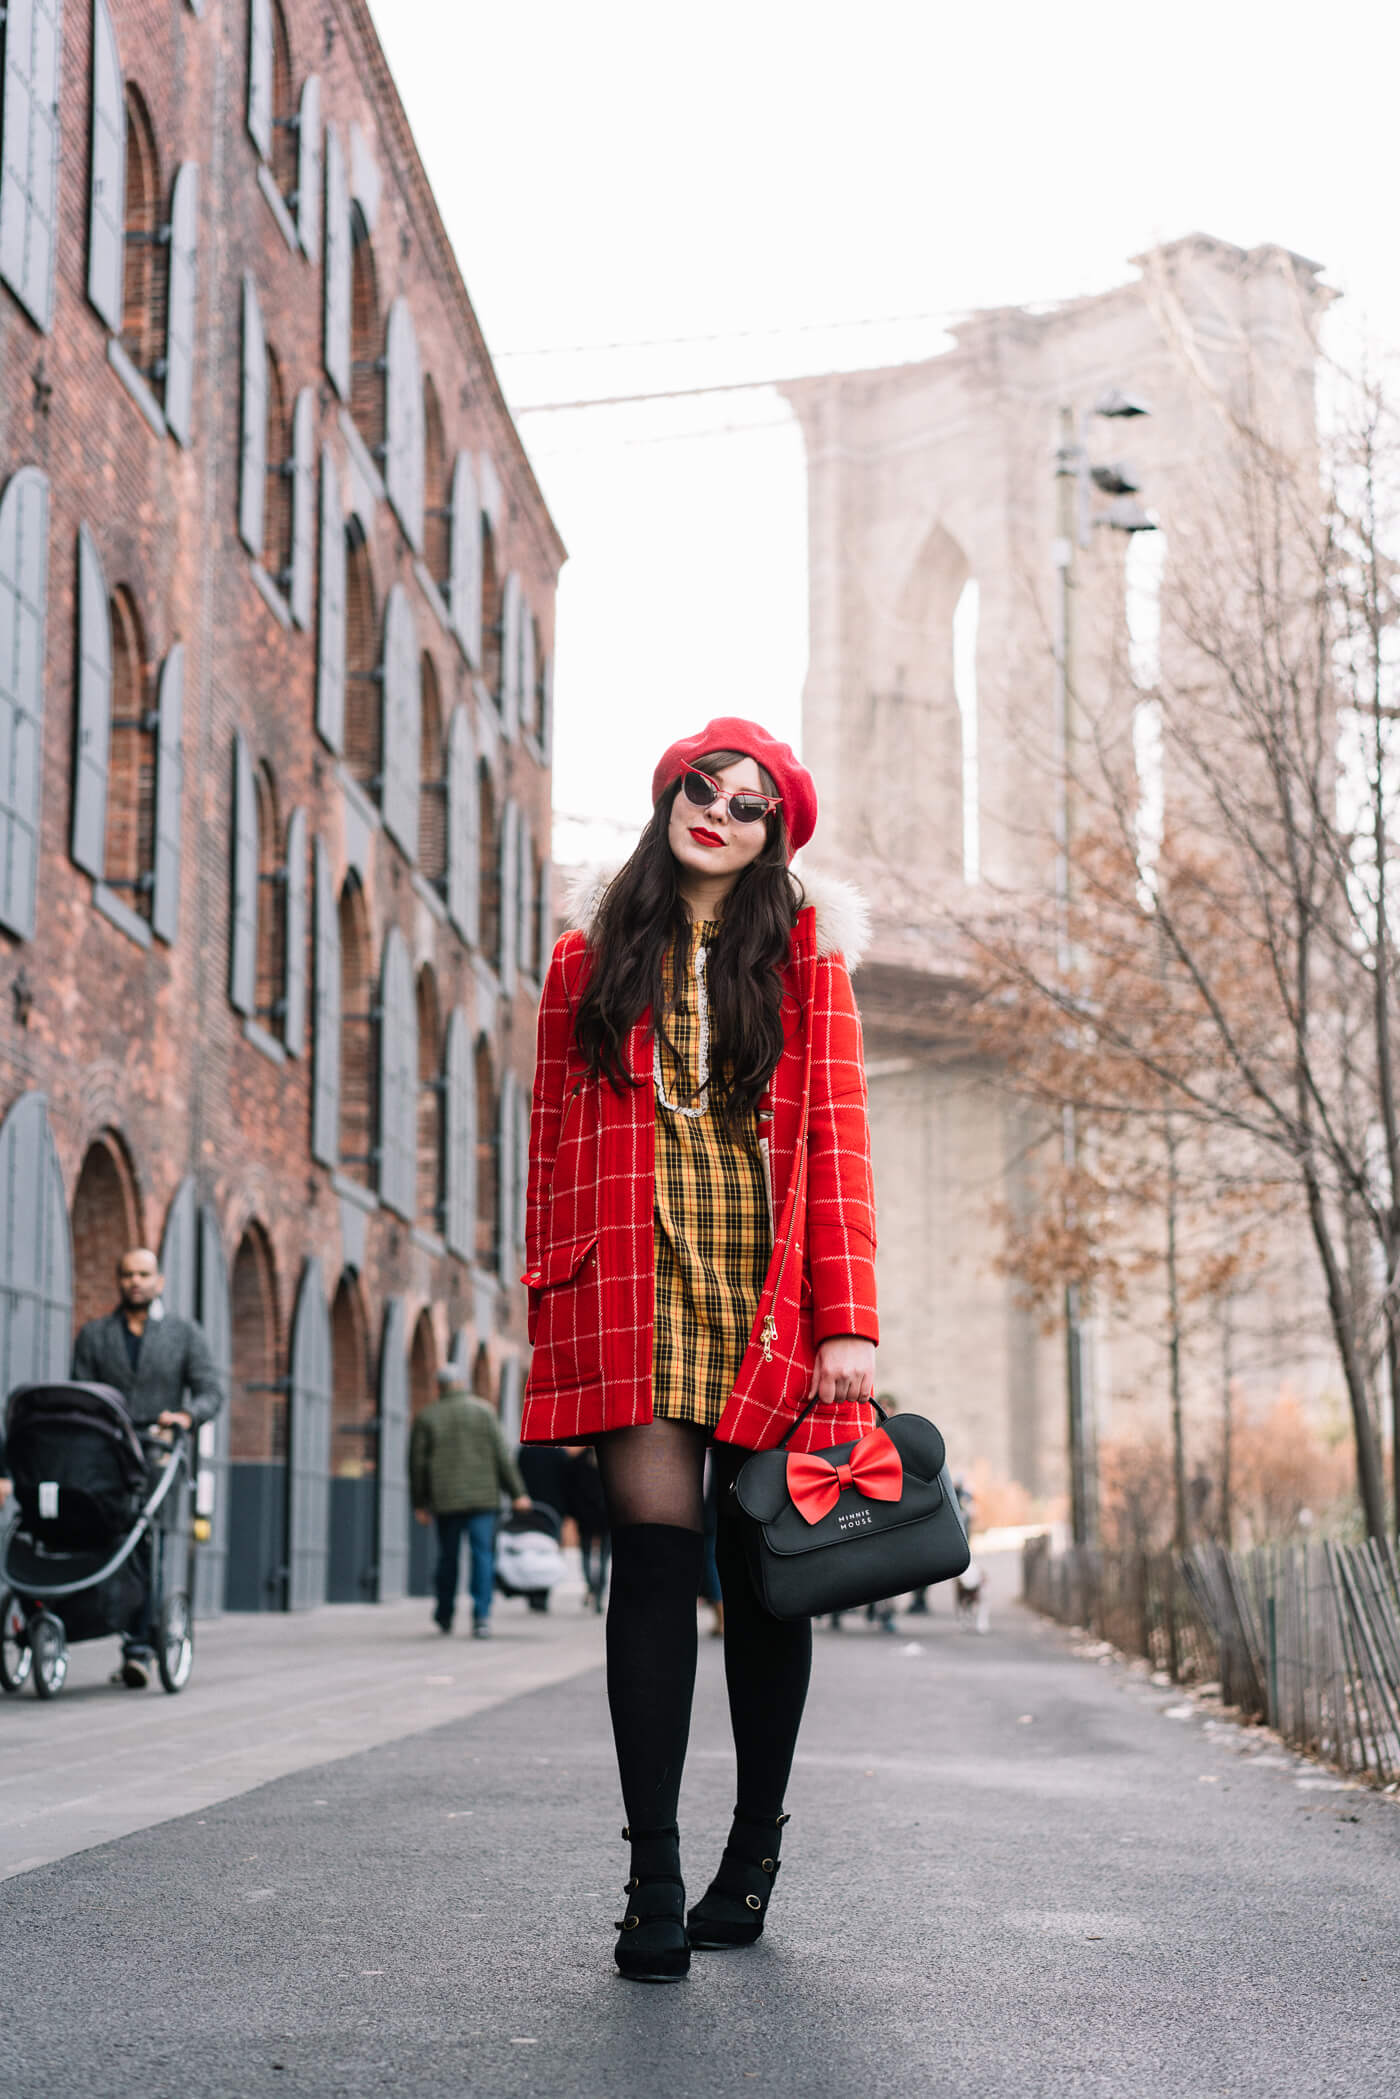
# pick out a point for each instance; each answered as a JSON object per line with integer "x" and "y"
{"x": 174, "y": 1370}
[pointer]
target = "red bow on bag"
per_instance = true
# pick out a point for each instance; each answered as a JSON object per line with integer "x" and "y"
{"x": 873, "y": 1469}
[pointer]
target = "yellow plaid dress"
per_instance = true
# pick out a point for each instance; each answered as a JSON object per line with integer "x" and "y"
{"x": 713, "y": 1235}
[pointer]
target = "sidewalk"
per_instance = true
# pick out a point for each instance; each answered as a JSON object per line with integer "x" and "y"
{"x": 1012, "y": 1873}
{"x": 269, "y": 1694}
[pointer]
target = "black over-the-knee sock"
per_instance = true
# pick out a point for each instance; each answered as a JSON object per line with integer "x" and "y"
{"x": 651, "y": 1641}
{"x": 767, "y": 1666}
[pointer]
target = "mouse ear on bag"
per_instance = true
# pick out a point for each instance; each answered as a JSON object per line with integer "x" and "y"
{"x": 832, "y": 1530}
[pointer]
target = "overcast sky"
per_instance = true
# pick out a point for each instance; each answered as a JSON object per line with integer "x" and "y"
{"x": 756, "y": 172}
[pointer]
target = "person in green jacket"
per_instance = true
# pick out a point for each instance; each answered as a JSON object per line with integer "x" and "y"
{"x": 459, "y": 1465}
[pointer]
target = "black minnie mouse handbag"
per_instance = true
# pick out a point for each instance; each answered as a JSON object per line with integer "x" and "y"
{"x": 831, "y": 1530}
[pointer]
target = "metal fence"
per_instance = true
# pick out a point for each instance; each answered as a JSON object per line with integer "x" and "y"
{"x": 1305, "y": 1637}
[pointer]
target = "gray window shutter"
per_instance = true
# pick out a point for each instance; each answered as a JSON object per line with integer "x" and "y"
{"x": 309, "y": 168}
{"x": 464, "y": 591}
{"x": 505, "y": 1174}
{"x": 398, "y": 1077}
{"x": 180, "y": 310}
{"x": 215, "y": 1314}
{"x": 36, "y": 1250}
{"x": 179, "y": 1252}
{"x": 94, "y": 710}
{"x": 29, "y": 142}
{"x": 107, "y": 199}
{"x": 510, "y": 895}
{"x": 252, "y": 463}
{"x": 521, "y": 1179}
{"x": 330, "y": 660}
{"x": 463, "y": 812}
{"x": 325, "y": 1043}
{"x": 546, "y": 920}
{"x": 403, "y": 437}
{"x": 24, "y": 551}
{"x": 395, "y": 1515}
{"x": 309, "y": 1467}
{"x": 260, "y": 75}
{"x": 337, "y": 287}
{"x": 525, "y": 681}
{"x": 243, "y": 944}
{"x": 294, "y": 986}
{"x": 508, "y": 696}
{"x": 170, "y": 785}
{"x": 460, "y": 1138}
{"x": 401, "y": 729}
{"x": 303, "y": 505}
{"x": 525, "y": 902}
{"x": 546, "y": 727}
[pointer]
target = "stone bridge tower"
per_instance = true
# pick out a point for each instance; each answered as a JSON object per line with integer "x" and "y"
{"x": 929, "y": 722}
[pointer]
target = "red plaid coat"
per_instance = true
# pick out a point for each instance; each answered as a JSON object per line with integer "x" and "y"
{"x": 589, "y": 1217}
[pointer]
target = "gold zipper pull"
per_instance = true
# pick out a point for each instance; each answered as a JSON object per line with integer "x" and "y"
{"x": 769, "y": 1336}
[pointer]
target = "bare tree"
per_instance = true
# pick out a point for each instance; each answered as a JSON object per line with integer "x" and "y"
{"x": 1233, "y": 990}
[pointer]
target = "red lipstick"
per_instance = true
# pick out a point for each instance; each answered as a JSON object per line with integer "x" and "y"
{"x": 698, "y": 831}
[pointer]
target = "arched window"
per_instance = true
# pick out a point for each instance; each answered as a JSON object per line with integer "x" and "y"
{"x": 489, "y": 848}
{"x": 106, "y": 1224}
{"x": 277, "y": 504}
{"x": 430, "y": 1103}
{"x": 257, "y": 1411}
{"x": 362, "y": 703}
{"x": 284, "y": 114}
{"x": 491, "y": 611}
{"x": 432, "y": 778}
{"x": 130, "y": 850}
{"x": 422, "y": 1364}
{"x": 487, "y": 1164}
{"x": 352, "y": 1410}
{"x": 437, "y": 487}
{"x": 272, "y": 942}
{"x": 357, "y": 1038}
{"x": 145, "y": 254}
{"x": 366, "y": 339}
{"x": 483, "y": 1384}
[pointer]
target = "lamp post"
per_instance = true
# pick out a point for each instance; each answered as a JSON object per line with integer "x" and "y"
{"x": 1075, "y": 521}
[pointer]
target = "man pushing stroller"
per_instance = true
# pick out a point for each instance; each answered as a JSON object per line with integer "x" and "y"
{"x": 164, "y": 1372}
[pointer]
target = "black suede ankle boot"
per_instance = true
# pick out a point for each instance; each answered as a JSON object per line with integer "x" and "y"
{"x": 732, "y": 1909}
{"x": 652, "y": 1945}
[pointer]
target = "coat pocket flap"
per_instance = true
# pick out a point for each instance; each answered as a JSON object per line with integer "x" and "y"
{"x": 561, "y": 1263}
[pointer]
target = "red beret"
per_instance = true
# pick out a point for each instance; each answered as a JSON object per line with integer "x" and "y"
{"x": 728, "y": 733}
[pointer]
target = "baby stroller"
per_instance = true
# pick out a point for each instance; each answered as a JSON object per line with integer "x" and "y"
{"x": 529, "y": 1560}
{"x": 101, "y": 1542}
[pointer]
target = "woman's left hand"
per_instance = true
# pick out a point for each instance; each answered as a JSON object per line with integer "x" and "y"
{"x": 844, "y": 1370}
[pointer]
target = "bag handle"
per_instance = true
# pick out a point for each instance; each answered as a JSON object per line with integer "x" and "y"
{"x": 782, "y": 1444}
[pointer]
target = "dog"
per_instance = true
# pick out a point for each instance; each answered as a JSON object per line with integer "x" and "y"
{"x": 970, "y": 1601}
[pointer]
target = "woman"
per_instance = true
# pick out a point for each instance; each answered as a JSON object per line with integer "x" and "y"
{"x": 701, "y": 1239}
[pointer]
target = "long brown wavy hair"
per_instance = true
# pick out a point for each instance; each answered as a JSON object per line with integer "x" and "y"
{"x": 642, "y": 921}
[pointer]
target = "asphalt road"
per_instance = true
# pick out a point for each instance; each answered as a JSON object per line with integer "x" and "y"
{"x": 1010, "y": 1870}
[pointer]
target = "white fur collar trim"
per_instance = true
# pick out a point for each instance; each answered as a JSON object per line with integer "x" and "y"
{"x": 843, "y": 916}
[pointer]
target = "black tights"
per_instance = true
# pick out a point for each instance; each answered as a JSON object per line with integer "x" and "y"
{"x": 653, "y": 1477}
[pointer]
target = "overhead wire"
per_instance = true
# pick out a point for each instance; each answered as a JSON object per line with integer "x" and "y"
{"x": 724, "y": 335}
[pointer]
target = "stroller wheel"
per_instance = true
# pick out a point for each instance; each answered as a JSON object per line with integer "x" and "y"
{"x": 175, "y": 1642}
{"x": 16, "y": 1656}
{"x": 48, "y": 1644}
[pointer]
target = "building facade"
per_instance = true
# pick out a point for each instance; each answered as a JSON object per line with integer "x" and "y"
{"x": 276, "y": 634}
{"x": 929, "y": 718}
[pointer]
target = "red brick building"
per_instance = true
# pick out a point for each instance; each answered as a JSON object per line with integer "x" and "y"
{"x": 276, "y": 627}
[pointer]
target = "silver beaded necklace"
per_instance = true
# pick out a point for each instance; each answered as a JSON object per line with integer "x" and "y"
{"x": 702, "y": 1014}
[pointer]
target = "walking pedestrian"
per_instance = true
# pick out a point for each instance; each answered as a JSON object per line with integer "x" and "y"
{"x": 701, "y": 1241}
{"x": 589, "y": 1510}
{"x": 459, "y": 1465}
{"x": 165, "y": 1374}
